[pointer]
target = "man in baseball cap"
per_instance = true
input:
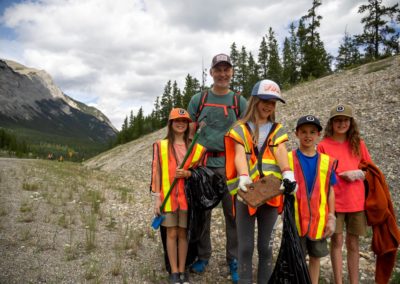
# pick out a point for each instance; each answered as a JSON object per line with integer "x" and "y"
{"x": 220, "y": 58}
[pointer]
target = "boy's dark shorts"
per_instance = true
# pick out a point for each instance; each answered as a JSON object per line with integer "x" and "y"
{"x": 314, "y": 248}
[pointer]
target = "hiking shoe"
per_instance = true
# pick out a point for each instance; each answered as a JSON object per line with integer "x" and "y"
{"x": 233, "y": 265}
{"x": 174, "y": 278}
{"x": 199, "y": 266}
{"x": 184, "y": 276}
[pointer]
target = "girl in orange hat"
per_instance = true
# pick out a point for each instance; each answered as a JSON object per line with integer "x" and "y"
{"x": 168, "y": 155}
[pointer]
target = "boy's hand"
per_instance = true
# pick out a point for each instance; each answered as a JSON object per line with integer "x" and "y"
{"x": 241, "y": 199}
{"x": 353, "y": 175}
{"x": 289, "y": 184}
{"x": 330, "y": 226}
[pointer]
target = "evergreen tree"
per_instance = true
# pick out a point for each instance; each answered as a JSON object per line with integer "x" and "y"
{"x": 139, "y": 124}
{"x": 156, "y": 114}
{"x": 315, "y": 60}
{"x": 379, "y": 28}
{"x": 188, "y": 91}
{"x": 234, "y": 55}
{"x": 263, "y": 58}
{"x": 253, "y": 75}
{"x": 274, "y": 67}
{"x": 348, "y": 54}
{"x": 242, "y": 72}
{"x": 166, "y": 103}
{"x": 176, "y": 96}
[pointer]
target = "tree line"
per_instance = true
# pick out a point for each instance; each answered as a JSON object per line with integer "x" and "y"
{"x": 303, "y": 57}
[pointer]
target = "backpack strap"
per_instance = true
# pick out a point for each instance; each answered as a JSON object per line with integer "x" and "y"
{"x": 235, "y": 104}
{"x": 202, "y": 102}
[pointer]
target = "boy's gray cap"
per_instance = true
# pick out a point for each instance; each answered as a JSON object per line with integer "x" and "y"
{"x": 217, "y": 59}
{"x": 308, "y": 119}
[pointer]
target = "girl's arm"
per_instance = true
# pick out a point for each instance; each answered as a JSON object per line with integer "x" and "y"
{"x": 281, "y": 156}
{"x": 240, "y": 160}
{"x": 331, "y": 223}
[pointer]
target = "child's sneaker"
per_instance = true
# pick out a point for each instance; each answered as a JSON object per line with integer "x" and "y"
{"x": 199, "y": 266}
{"x": 184, "y": 277}
{"x": 233, "y": 269}
{"x": 174, "y": 278}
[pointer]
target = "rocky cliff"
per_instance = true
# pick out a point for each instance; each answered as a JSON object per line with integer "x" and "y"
{"x": 29, "y": 99}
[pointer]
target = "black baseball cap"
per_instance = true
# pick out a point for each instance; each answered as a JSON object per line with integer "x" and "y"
{"x": 308, "y": 119}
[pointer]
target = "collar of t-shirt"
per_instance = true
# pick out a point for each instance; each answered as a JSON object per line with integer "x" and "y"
{"x": 263, "y": 131}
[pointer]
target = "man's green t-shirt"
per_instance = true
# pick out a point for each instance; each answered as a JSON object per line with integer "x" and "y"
{"x": 217, "y": 123}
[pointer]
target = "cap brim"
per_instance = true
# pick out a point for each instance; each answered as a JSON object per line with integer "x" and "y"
{"x": 340, "y": 114}
{"x": 319, "y": 127}
{"x": 271, "y": 97}
{"x": 219, "y": 62}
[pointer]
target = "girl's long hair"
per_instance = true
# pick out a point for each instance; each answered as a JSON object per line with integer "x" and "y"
{"x": 171, "y": 137}
{"x": 352, "y": 135}
{"x": 251, "y": 115}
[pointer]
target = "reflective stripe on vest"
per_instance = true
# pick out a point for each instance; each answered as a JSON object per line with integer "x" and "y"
{"x": 311, "y": 212}
{"x": 168, "y": 167}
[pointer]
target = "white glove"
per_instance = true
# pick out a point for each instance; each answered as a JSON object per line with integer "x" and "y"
{"x": 243, "y": 181}
{"x": 157, "y": 202}
{"x": 353, "y": 175}
{"x": 330, "y": 226}
{"x": 289, "y": 184}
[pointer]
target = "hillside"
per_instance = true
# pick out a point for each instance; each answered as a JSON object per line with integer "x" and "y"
{"x": 373, "y": 89}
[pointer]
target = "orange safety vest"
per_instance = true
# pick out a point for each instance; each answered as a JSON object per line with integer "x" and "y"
{"x": 168, "y": 165}
{"x": 311, "y": 212}
{"x": 258, "y": 167}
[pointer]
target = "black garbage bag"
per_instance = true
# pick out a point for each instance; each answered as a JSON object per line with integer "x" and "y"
{"x": 290, "y": 266}
{"x": 204, "y": 190}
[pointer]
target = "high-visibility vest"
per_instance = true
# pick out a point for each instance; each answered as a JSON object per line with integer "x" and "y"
{"x": 262, "y": 165}
{"x": 311, "y": 209}
{"x": 168, "y": 165}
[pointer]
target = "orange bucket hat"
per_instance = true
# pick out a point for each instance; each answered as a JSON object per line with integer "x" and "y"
{"x": 179, "y": 113}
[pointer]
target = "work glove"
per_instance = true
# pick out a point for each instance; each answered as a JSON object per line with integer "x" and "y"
{"x": 243, "y": 181}
{"x": 157, "y": 202}
{"x": 289, "y": 184}
{"x": 352, "y": 175}
{"x": 330, "y": 226}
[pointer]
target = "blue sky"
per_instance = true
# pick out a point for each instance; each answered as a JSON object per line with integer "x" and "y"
{"x": 117, "y": 55}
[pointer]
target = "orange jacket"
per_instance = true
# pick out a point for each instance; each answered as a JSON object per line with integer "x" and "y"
{"x": 166, "y": 164}
{"x": 264, "y": 163}
{"x": 381, "y": 216}
{"x": 311, "y": 210}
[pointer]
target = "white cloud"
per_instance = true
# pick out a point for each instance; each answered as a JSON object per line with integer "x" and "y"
{"x": 119, "y": 54}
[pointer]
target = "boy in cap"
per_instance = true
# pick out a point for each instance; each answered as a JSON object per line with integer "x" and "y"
{"x": 314, "y": 200}
{"x": 218, "y": 107}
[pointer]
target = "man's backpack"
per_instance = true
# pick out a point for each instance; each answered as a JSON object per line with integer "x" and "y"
{"x": 203, "y": 102}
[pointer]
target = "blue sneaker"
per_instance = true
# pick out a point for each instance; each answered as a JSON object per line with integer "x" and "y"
{"x": 199, "y": 266}
{"x": 233, "y": 265}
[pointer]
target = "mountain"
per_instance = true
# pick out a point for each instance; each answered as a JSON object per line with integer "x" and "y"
{"x": 33, "y": 107}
